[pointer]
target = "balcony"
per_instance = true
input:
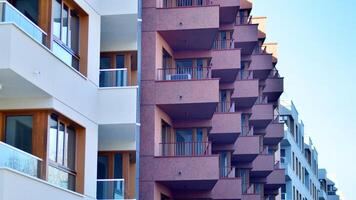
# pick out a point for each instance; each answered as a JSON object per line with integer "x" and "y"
{"x": 225, "y": 188}
{"x": 247, "y": 148}
{"x": 11, "y": 15}
{"x": 262, "y": 166}
{"x": 261, "y": 21}
{"x": 19, "y": 160}
{"x": 261, "y": 64}
{"x": 262, "y": 115}
{"x": 246, "y": 90}
{"x": 252, "y": 197}
{"x": 185, "y": 24}
{"x": 275, "y": 179}
{"x": 187, "y": 94}
{"x": 274, "y": 133}
{"x": 246, "y": 37}
{"x": 177, "y": 166}
{"x": 110, "y": 189}
{"x": 271, "y": 48}
{"x": 226, "y": 126}
{"x": 228, "y": 10}
{"x": 225, "y": 62}
{"x": 113, "y": 77}
{"x": 273, "y": 87}
{"x": 15, "y": 185}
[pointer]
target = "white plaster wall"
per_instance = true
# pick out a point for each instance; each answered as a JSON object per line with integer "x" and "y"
{"x": 117, "y": 105}
{"x": 18, "y": 186}
{"x": 114, "y": 7}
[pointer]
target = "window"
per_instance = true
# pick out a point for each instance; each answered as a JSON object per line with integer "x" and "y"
{"x": 66, "y": 25}
{"x": 62, "y": 148}
{"x": 18, "y": 132}
{"x": 29, "y": 8}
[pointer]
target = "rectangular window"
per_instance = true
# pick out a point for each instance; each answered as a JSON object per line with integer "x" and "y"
{"x": 61, "y": 153}
{"x": 66, "y": 27}
{"x": 18, "y": 132}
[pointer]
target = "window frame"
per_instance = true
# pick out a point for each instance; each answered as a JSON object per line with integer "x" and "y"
{"x": 59, "y": 40}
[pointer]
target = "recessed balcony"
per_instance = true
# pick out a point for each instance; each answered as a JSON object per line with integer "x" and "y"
{"x": 262, "y": 166}
{"x": 273, "y": 88}
{"x": 226, "y": 126}
{"x": 247, "y": 148}
{"x": 246, "y": 90}
{"x": 110, "y": 189}
{"x": 262, "y": 115}
{"x": 261, "y": 64}
{"x": 246, "y": 37}
{"x": 274, "y": 133}
{"x": 187, "y": 93}
{"x": 185, "y": 24}
{"x": 228, "y": 10}
{"x": 225, "y": 62}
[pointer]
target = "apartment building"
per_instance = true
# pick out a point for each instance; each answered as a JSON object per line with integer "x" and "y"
{"x": 209, "y": 104}
{"x": 299, "y": 157}
{"x": 68, "y": 99}
{"x": 328, "y": 191}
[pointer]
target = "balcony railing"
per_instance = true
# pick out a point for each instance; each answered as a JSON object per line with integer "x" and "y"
{"x": 185, "y": 149}
{"x": 113, "y": 77}
{"x": 110, "y": 189}
{"x": 19, "y": 160}
{"x": 224, "y": 106}
{"x": 223, "y": 44}
{"x": 227, "y": 172}
{"x": 246, "y": 130}
{"x": 246, "y": 19}
{"x": 262, "y": 100}
{"x": 274, "y": 74}
{"x": 9, "y": 14}
{"x": 184, "y": 3}
{"x": 245, "y": 75}
{"x": 184, "y": 73}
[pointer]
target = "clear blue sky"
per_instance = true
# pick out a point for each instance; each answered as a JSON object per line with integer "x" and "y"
{"x": 317, "y": 57}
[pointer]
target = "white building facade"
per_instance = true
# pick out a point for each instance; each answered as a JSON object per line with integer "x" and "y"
{"x": 299, "y": 158}
{"x": 69, "y": 88}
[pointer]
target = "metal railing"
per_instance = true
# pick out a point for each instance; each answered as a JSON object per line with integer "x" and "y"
{"x": 184, "y": 3}
{"x": 244, "y": 75}
{"x": 246, "y": 19}
{"x": 262, "y": 100}
{"x": 19, "y": 160}
{"x": 227, "y": 172}
{"x": 110, "y": 189}
{"x": 185, "y": 149}
{"x": 9, "y": 14}
{"x": 274, "y": 74}
{"x": 184, "y": 73}
{"x": 246, "y": 130}
{"x": 223, "y": 44}
{"x": 224, "y": 106}
{"x": 113, "y": 77}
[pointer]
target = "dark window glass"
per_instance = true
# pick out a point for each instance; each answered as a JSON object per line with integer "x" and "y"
{"x": 70, "y": 150}
{"x": 18, "y": 132}
{"x": 118, "y": 165}
{"x": 29, "y": 8}
{"x": 120, "y": 61}
{"x": 103, "y": 167}
{"x": 105, "y": 62}
{"x": 74, "y": 32}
